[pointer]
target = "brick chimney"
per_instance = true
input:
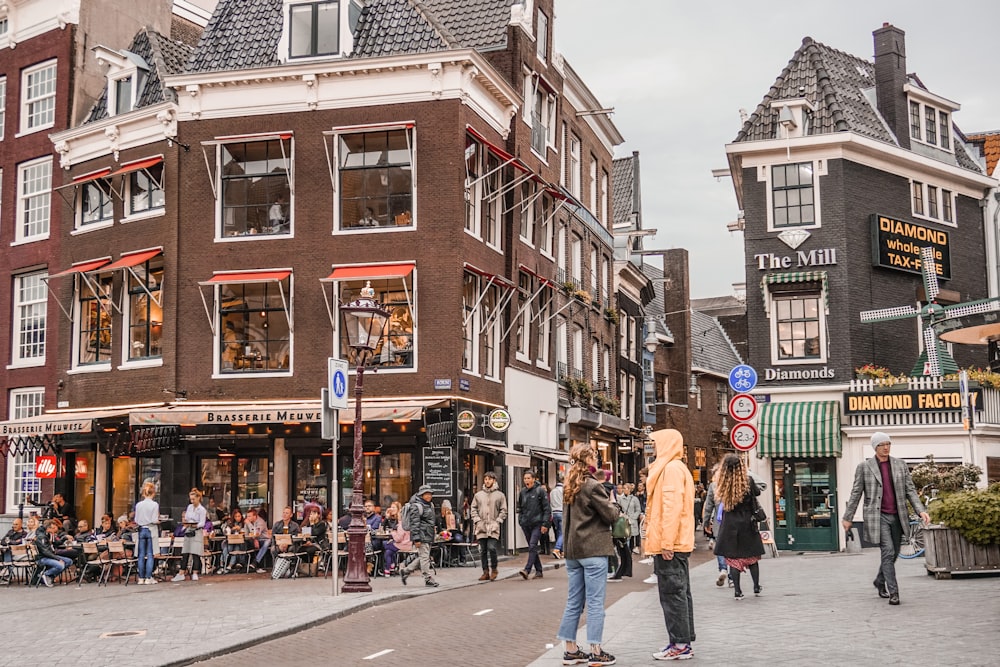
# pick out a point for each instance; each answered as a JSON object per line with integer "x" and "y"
{"x": 890, "y": 77}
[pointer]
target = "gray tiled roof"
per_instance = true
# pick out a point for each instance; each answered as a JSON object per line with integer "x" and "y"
{"x": 164, "y": 56}
{"x": 841, "y": 88}
{"x": 622, "y": 171}
{"x": 711, "y": 348}
{"x": 244, "y": 34}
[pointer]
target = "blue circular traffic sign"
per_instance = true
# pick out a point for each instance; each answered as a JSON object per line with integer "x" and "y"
{"x": 742, "y": 378}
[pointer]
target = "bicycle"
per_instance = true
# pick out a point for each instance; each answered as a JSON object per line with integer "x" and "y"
{"x": 914, "y": 545}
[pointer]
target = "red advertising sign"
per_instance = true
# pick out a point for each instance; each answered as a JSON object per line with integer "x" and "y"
{"x": 81, "y": 469}
{"x": 45, "y": 467}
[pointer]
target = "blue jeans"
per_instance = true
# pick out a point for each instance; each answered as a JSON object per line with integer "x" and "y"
{"x": 54, "y": 566}
{"x": 145, "y": 551}
{"x": 588, "y": 580}
{"x": 557, "y": 527}
{"x": 533, "y": 535}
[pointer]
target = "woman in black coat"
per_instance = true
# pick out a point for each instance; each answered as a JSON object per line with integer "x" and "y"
{"x": 737, "y": 539}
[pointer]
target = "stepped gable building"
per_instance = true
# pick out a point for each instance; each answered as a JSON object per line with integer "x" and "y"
{"x": 846, "y": 170}
{"x": 440, "y": 152}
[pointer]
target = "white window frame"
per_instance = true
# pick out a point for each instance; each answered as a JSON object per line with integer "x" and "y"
{"x": 574, "y": 166}
{"x": 153, "y": 293}
{"x": 576, "y": 260}
{"x": 577, "y": 351}
{"x": 471, "y": 316}
{"x": 544, "y": 329}
{"x": 593, "y": 186}
{"x": 3, "y": 106}
{"x": 925, "y": 126}
{"x": 24, "y": 402}
{"x": 764, "y": 176}
{"x": 345, "y": 41}
{"x": 18, "y": 318}
{"x": 547, "y": 228}
{"x": 772, "y": 313}
{"x": 606, "y": 366}
{"x": 562, "y": 344}
{"x": 43, "y": 193}
{"x": 285, "y": 289}
{"x": 542, "y": 36}
{"x": 288, "y": 151}
{"x": 409, "y": 128}
{"x": 105, "y": 187}
{"x": 595, "y": 363}
{"x": 27, "y": 103}
{"x": 528, "y": 209}
{"x": 93, "y": 283}
{"x": 152, "y": 210}
{"x": 947, "y": 202}
{"x": 604, "y": 214}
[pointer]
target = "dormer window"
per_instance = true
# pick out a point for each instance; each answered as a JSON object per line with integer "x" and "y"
{"x": 126, "y": 73}
{"x": 930, "y": 117}
{"x": 794, "y": 118}
{"x": 316, "y": 29}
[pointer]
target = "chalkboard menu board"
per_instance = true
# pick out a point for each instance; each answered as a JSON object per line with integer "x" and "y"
{"x": 438, "y": 469}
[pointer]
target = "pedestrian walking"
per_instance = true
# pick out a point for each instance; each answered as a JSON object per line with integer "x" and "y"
{"x": 670, "y": 537}
{"x": 420, "y": 520}
{"x": 193, "y": 548}
{"x": 738, "y": 539}
{"x": 711, "y": 520}
{"x": 534, "y": 517}
{"x": 886, "y": 484}
{"x": 623, "y": 545}
{"x": 556, "y": 505}
{"x": 147, "y": 517}
{"x": 589, "y": 515}
{"x": 488, "y": 511}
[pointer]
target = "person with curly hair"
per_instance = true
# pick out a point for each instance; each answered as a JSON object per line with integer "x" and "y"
{"x": 738, "y": 539}
{"x": 587, "y": 520}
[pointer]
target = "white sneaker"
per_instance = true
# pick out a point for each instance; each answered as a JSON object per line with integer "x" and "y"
{"x": 141, "y": 582}
{"x": 646, "y": 561}
{"x": 152, "y": 581}
{"x": 194, "y": 576}
{"x": 651, "y": 579}
{"x": 178, "y": 577}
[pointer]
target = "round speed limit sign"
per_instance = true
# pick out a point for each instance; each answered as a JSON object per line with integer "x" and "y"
{"x": 744, "y": 437}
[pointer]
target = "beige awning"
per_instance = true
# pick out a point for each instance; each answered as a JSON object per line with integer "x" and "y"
{"x": 375, "y": 409}
{"x": 56, "y": 423}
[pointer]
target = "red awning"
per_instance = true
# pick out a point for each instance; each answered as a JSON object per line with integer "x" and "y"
{"x": 371, "y": 271}
{"x": 82, "y": 267}
{"x": 499, "y": 152}
{"x": 133, "y": 259}
{"x": 145, "y": 163}
{"x": 93, "y": 176}
{"x": 247, "y": 277}
{"x": 545, "y": 280}
{"x": 486, "y": 274}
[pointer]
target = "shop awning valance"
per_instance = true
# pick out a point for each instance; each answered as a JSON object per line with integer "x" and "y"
{"x": 81, "y": 267}
{"x": 512, "y": 456}
{"x": 133, "y": 259}
{"x": 369, "y": 271}
{"x": 551, "y": 455}
{"x": 795, "y": 277}
{"x": 799, "y": 429}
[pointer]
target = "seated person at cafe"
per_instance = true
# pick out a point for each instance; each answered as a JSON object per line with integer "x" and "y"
{"x": 317, "y": 537}
{"x": 286, "y": 526}
{"x": 64, "y": 544}
{"x": 31, "y": 532}
{"x": 399, "y": 540}
{"x": 231, "y": 526}
{"x": 54, "y": 564}
{"x": 15, "y": 535}
{"x": 449, "y": 522}
{"x": 256, "y": 535}
{"x": 58, "y": 509}
{"x": 309, "y": 506}
{"x": 83, "y": 531}
{"x": 106, "y": 530}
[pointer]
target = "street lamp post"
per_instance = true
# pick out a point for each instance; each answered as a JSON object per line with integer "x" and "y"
{"x": 364, "y": 322}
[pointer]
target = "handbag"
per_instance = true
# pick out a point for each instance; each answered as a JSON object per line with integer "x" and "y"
{"x": 759, "y": 515}
{"x": 622, "y": 528}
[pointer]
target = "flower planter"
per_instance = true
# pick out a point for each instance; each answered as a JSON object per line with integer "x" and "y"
{"x": 947, "y": 553}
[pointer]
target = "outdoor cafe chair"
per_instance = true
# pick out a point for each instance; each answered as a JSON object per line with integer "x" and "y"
{"x": 164, "y": 554}
{"x": 238, "y": 547}
{"x": 22, "y": 561}
{"x": 282, "y": 540}
{"x": 93, "y": 560}
{"x": 209, "y": 554}
{"x": 116, "y": 551}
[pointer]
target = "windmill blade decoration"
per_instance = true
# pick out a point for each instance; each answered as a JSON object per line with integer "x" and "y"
{"x": 935, "y": 359}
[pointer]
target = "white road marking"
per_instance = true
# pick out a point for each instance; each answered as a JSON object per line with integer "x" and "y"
{"x": 546, "y": 590}
{"x": 379, "y": 654}
{"x": 484, "y": 611}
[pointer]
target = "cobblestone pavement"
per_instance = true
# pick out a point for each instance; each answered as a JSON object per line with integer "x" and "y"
{"x": 819, "y": 610}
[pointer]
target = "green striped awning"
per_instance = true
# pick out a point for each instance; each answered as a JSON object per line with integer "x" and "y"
{"x": 795, "y": 277}
{"x": 801, "y": 428}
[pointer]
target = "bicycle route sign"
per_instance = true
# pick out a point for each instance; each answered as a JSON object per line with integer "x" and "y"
{"x": 742, "y": 378}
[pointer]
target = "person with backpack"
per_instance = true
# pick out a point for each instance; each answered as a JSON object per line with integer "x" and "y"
{"x": 418, "y": 519}
{"x": 489, "y": 511}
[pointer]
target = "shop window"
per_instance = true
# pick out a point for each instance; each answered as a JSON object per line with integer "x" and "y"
{"x": 375, "y": 173}
{"x": 145, "y": 314}
{"x": 255, "y": 329}
{"x": 29, "y": 319}
{"x": 96, "y": 204}
{"x": 38, "y": 97}
{"x": 256, "y": 186}
{"x": 396, "y": 349}
{"x": 230, "y": 481}
{"x": 310, "y": 483}
{"x": 22, "y": 485}
{"x": 94, "y": 322}
{"x": 145, "y": 190}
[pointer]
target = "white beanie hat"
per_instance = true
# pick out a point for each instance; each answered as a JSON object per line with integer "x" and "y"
{"x": 878, "y": 437}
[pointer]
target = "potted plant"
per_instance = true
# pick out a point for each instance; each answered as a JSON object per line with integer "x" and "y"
{"x": 611, "y": 315}
{"x": 569, "y": 288}
{"x": 968, "y": 539}
{"x": 583, "y": 295}
{"x": 872, "y": 372}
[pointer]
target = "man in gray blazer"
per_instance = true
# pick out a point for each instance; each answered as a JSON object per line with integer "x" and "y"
{"x": 887, "y": 485}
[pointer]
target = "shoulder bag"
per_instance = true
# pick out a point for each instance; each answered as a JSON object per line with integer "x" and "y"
{"x": 759, "y": 515}
{"x": 622, "y": 528}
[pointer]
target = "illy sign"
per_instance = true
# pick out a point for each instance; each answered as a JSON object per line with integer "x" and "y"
{"x": 45, "y": 467}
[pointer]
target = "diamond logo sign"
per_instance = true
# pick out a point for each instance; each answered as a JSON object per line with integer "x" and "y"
{"x": 793, "y": 238}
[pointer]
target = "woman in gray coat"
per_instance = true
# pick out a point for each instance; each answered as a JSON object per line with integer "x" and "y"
{"x": 587, "y": 520}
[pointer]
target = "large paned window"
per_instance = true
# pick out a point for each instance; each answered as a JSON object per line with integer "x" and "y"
{"x": 490, "y": 328}
{"x": 918, "y": 198}
{"x": 485, "y": 187}
{"x": 522, "y": 328}
{"x": 604, "y": 214}
{"x": 529, "y": 209}
{"x": 30, "y": 299}
{"x": 96, "y": 204}
{"x": 562, "y": 348}
{"x": 797, "y": 326}
{"x": 930, "y": 201}
{"x": 593, "y": 187}
{"x": 255, "y": 187}
{"x": 470, "y": 295}
{"x": 544, "y": 328}
{"x": 146, "y": 194}
{"x": 376, "y": 179}
{"x": 94, "y": 341}
{"x": 34, "y": 187}
{"x": 230, "y": 481}
{"x": 3, "y": 104}
{"x": 793, "y": 194}
{"x": 38, "y": 97}
{"x": 577, "y": 369}
{"x": 573, "y": 165}
{"x": 542, "y": 36}
{"x": 933, "y": 126}
{"x": 547, "y": 232}
{"x": 483, "y": 319}
{"x": 22, "y": 485}
{"x": 314, "y": 29}
{"x": 145, "y": 314}
{"x": 397, "y": 348}
{"x": 915, "y": 121}
{"x": 255, "y": 330}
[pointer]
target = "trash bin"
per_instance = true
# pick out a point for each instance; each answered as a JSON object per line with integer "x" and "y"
{"x": 853, "y": 541}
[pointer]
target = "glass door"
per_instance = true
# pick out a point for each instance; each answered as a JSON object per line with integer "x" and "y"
{"x": 229, "y": 482}
{"x": 805, "y": 504}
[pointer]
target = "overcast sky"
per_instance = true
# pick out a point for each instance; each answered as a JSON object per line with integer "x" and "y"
{"x": 678, "y": 73}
